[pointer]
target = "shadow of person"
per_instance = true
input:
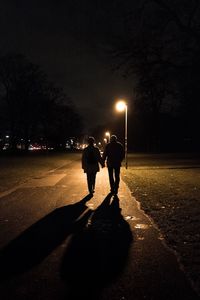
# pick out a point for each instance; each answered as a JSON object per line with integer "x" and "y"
{"x": 98, "y": 253}
{"x": 39, "y": 240}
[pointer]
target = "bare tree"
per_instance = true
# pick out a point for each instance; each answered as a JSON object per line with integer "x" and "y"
{"x": 159, "y": 48}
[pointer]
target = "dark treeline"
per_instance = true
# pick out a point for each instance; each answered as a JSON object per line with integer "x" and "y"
{"x": 32, "y": 109}
{"x": 158, "y": 44}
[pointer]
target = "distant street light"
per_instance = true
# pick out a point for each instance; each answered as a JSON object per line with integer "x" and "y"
{"x": 108, "y": 135}
{"x": 122, "y": 106}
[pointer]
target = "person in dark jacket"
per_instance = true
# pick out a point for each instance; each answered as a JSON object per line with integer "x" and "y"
{"x": 91, "y": 158}
{"x": 113, "y": 155}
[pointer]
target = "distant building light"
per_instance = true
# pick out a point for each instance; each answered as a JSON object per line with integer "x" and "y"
{"x": 6, "y": 146}
{"x": 34, "y": 147}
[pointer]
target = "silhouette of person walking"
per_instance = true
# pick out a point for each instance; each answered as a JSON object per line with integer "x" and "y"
{"x": 90, "y": 163}
{"x": 114, "y": 154}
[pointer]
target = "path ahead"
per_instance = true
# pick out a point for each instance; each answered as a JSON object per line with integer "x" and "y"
{"x": 59, "y": 244}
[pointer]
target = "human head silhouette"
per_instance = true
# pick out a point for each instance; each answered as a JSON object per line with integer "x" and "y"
{"x": 91, "y": 140}
{"x": 113, "y": 138}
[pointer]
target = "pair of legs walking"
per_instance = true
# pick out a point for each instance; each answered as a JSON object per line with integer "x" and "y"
{"x": 114, "y": 178}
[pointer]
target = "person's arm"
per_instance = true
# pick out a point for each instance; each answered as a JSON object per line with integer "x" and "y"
{"x": 100, "y": 159}
{"x": 105, "y": 154}
{"x": 122, "y": 153}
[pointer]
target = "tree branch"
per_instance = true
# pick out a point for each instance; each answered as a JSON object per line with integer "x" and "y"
{"x": 178, "y": 21}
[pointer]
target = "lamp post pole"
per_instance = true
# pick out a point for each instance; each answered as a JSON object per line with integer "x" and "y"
{"x": 126, "y": 136}
{"x": 122, "y": 106}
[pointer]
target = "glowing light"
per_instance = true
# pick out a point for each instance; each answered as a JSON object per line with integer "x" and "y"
{"x": 121, "y": 105}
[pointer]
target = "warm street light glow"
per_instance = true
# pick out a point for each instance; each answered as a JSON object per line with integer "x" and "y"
{"x": 121, "y": 105}
{"x": 108, "y": 135}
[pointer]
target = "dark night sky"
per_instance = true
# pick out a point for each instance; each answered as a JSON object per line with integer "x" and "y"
{"x": 67, "y": 39}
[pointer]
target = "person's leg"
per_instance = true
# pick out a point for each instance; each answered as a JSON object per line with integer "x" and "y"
{"x": 89, "y": 182}
{"x": 111, "y": 179}
{"x": 117, "y": 178}
{"x": 93, "y": 179}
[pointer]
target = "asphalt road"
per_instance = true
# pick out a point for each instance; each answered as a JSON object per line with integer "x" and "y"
{"x": 57, "y": 243}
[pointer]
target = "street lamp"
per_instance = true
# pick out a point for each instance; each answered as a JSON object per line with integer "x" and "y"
{"x": 122, "y": 106}
{"x": 108, "y": 135}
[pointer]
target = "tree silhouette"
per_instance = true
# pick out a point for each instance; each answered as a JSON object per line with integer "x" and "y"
{"x": 160, "y": 47}
{"x": 34, "y": 107}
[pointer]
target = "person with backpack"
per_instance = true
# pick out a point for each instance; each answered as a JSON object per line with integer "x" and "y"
{"x": 91, "y": 158}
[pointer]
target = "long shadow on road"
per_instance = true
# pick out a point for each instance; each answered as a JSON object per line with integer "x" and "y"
{"x": 98, "y": 253}
{"x": 39, "y": 240}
